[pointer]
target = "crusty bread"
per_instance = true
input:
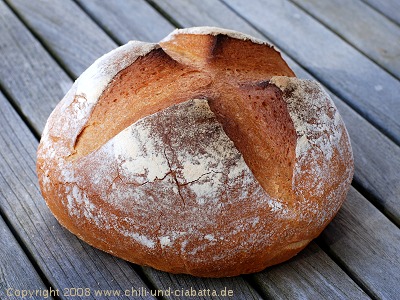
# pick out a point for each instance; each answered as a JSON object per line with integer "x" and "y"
{"x": 202, "y": 154}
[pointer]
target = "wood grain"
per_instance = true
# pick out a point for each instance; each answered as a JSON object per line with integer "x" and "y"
{"x": 128, "y": 20}
{"x": 368, "y": 245}
{"x": 66, "y": 30}
{"x": 340, "y": 67}
{"x": 389, "y": 8}
{"x": 28, "y": 74}
{"x": 14, "y": 262}
{"x": 239, "y": 287}
{"x": 64, "y": 259}
{"x": 190, "y": 13}
{"x": 309, "y": 275}
{"x": 361, "y": 26}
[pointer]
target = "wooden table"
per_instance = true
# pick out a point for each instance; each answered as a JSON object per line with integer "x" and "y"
{"x": 351, "y": 47}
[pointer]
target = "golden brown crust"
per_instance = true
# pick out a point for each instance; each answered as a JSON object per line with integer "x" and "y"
{"x": 195, "y": 157}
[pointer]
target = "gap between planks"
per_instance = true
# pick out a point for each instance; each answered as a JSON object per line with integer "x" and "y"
{"x": 344, "y": 38}
{"x": 374, "y": 201}
{"x": 343, "y": 266}
{"x": 30, "y": 258}
{"x": 394, "y": 19}
{"x": 24, "y": 118}
{"x": 52, "y": 53}
{"x": 164, "y": 14}
{"x": 94, "y": 20}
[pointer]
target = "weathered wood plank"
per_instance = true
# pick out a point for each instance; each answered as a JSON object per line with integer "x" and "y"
{"x": 128, "y": 20}
{"x": 27, "y": 73}
{"x": 16, "y": 271}
{"x": 76, "y": 39}
{"x": 377, "y": 163}
{"x": 361, "y": 26}
{"x": 64, "y": 259}
{"x": 202, "y": 288}
{"x": 368, "y": 245}
{"x": 390, "y": 8}
{"x": 343, "y": 69}
{"x": 309, "y": 275}
{"x": 189, "y": 13}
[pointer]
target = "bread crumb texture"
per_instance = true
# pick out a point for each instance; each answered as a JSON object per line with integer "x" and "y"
{"x": 202, "y": 154}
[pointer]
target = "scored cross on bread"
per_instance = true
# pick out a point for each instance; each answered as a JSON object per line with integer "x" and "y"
{"x": 202, "y": 154}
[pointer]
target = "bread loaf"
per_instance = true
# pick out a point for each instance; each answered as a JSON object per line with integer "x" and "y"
{"x": 202, "y": 154}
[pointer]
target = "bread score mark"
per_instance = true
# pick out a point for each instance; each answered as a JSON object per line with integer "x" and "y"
{"x": 253, "y": 113}
{"x": 169, "y": 75}
{"x": 163, "y": 79}
{"x": 213, "y": 137}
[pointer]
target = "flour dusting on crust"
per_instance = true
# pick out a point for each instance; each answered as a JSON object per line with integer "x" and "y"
{"x": 76, "y": 107}
{"x": 321, "y": 134}
{"x": 194, "y": 176}
{"x": 313, "y": 114}
{"x": 190, "y": 184}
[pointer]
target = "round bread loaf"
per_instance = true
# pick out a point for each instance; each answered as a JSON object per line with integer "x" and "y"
{"x": 202, "y": 154}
